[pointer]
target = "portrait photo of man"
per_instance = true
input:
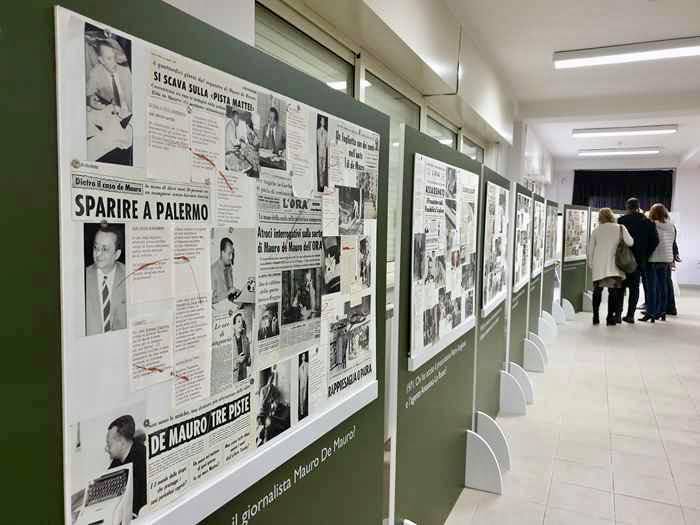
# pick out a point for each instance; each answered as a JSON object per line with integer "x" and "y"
{"x": 105, "y": 278}
{"x": 124, "y": 446}
{"x": 108, "y": 97}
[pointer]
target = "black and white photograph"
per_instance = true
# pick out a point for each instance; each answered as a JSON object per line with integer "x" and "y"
{"x": 454, "y": 259}
{"x": 431, "y": 319}
{"x": 241, "y": 342}
{"x": 98, "y": 448}
{"x": 274, "y": 400}
{"x": 108, "y": 97}
{"x": 269, "y": 325}
{"x": 456, "y": 311}
{"x": 440, "y": 269}
{"x": 358, "y": 313}
{"x": 242, "y": 142}
{"x": 322, "y": 153}
{"x": 368, "y": 184}
{"x": 451, "y": 183}
{"x": 272, "y": 112}
{"x": 301, "y": 295}
{"x": 364, "y": 263}
{"x": 331, "y": 265}
{"x": 350, "y": 212}
{"x": 303, "y": 378}
{"x": 359, "y": 342}
{"x": 469, "y": 304}
{"x": 451, "y": 215}
{"x": 232, "y": 252}
{"x": 339, "y": 343}
{"x": 418, "y": 256}
{"x": 106, "y": 280}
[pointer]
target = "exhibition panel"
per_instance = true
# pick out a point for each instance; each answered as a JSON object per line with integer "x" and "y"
{"x": 493, "y": 272}
{"x": 538, "y": 260}
{"x": 593, "y": 220}
{"x": 522, "y": 271}
{"x": 575, "y": 244}
{"x": 550, "y": 255}
{"x": 438, "y": 281}
{"x": 224, "y": 227}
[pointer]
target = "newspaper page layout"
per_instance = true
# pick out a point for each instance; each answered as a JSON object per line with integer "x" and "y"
{"x": 538, "y": 233}
{"x": 550, "y": 242}
{"x": 207, "y": 307}
{"x": 523, "y": 240}
{"x": 576, "y": 234}
{"x": 444, "y": 251}
{"x": 494, "y": 282}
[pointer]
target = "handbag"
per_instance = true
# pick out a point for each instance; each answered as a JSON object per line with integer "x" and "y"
{"x": 624, "y": 258}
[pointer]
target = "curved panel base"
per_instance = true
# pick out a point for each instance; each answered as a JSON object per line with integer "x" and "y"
{"x": 482, "y": 471}
{"x": 524, "y": 381}
{"x": 532, "y": 336}
{"x": 512, "y": 402}
{"x": 533, "y": 360}
{"x": 558, "y": 313}
{"x": 488, "y": 428}
{"x": 568, "y": 308}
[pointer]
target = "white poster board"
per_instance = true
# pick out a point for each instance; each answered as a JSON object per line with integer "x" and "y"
{"x": 443, "y": 275}
{"x": 218, "y": 273}
{"x": 523, "y": 241}
{"x": 538, "y": 234}
{"x": 494, "y": 280}
{"x": 550, "y": 242}
{"x": 576, "y": 234}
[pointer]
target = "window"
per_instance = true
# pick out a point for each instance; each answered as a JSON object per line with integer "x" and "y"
{"x": 442, "y": 134}
{"x": 473, "y": 150}
{"x": 400, "y": 110}
{"x": 286, "y": 43}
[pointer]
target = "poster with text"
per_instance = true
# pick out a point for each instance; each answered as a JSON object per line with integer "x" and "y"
{"x": 550, "y": 241}
{"x": 575, "y": 234}
{"x": 523, "y": 240}
{"x": 538, "y": 233}
{"x": 494, "y": 280}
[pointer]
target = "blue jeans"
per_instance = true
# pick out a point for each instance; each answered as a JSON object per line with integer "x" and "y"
{"x": 657, "y": 287}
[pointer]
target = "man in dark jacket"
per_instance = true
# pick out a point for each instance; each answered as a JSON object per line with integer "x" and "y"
{"x": 645, "y": 238}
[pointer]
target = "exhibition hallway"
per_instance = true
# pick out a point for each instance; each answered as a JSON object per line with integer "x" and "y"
{"x": 614, "y": 433}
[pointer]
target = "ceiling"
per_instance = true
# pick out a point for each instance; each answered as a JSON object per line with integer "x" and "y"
{"x": 557, "y": 136}
{"x": 520, "y": 37}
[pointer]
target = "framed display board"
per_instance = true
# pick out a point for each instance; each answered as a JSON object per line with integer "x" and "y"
{"x": 522, "y": 271}
{"x": 494, "y": 269}
{"x": 575, "y": 245}
{"x": 538, "y": 243}
{"x": 439, "y": 394}
{"x": 443, "y": 291}
{"x": 551, "y": 245}
{"x": 222, "y": 267}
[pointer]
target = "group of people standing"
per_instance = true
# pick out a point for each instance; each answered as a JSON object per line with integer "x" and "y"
{"x": 652, "y": 240}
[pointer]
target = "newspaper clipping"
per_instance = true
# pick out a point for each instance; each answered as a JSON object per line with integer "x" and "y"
{"x": 576, "y": 234}
{"x": 550, "y": 242}
{"x": 523, "y": 240}
{"x": 495, "y": 242}
{"x": 218, "y": 259}
{"x": 444, "y": 252}
{"x": 538, "y": 233}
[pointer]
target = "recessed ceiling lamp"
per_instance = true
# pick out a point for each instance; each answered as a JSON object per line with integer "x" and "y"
{"x": 619, "y": 152}
{"x": 665, "y": 129}
{"x": 622, "y": 54}
{"x": 342, "y": 84}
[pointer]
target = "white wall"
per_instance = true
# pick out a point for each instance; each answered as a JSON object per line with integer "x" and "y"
{"x": 235, "y": 17}
{"x": 687, "y": 210}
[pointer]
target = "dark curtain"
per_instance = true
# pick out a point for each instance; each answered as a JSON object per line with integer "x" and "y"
{"x": 611, "y": 188}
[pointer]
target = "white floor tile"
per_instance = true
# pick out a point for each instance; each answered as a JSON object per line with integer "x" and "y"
{"x": 583, "y": 500}
{"x": 635, "y": 511}
{"x": 655, "y": 489}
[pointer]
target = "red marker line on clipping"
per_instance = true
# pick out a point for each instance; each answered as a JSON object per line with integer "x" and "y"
{"x": 208, "y": 160}
{"x": 155, "y": 369}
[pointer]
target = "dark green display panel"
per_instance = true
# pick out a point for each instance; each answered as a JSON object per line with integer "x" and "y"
{"x": 549, "y": 277}
{"x": 32, "y": 442}
{"x": 573, "y": 273}
{"x": 431, "y": 425}
{"x": 534, "y": 305}
{"x": 491, "y": 328}
{"x": 519, "y": 298}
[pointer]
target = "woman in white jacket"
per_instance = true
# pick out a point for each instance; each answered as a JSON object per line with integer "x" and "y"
{"x": 601, "y": 259}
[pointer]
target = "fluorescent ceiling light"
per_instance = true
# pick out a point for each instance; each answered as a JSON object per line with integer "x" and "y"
{"x": 446, "y": 142}
{"x": 626, "y": 131}
{"x": 342, "y": 84}
{"x": 622, "y": 54}
{"x": 612, "y": 152}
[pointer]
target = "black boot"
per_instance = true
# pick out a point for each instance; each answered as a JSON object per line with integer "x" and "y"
{"x": 596, "y": 318}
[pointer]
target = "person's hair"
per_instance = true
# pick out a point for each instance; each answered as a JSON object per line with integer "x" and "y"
{"x": 225, "y": 242}
{"x": 242, "y": 319}
{"x": 658, "y": 212}
{"x": 606, "y": 215}
{"x": 99, "y": 44}
{"x": 632, "y": 204}
{"x": 111, "y": 228}
{"x": 125, "y": 427}
{"x": 275, "y": 113}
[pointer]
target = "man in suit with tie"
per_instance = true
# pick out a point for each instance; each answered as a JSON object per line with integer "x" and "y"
{"x": 274, "y": 135}
{"x": 109, "y": 101}
{"x": 105, "y": 283}
{"x": 222, "y": 286}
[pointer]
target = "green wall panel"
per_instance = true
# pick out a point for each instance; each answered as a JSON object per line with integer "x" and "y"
{"x": 535, "y": 303}
{"x": 431, "y": 426}
{"x": 548, "y": 279}
{"x": 573, "y": 273}
{"x": 32, "y": 443}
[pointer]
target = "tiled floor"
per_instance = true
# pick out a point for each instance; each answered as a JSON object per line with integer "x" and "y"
{"x": 614, "y": 434}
